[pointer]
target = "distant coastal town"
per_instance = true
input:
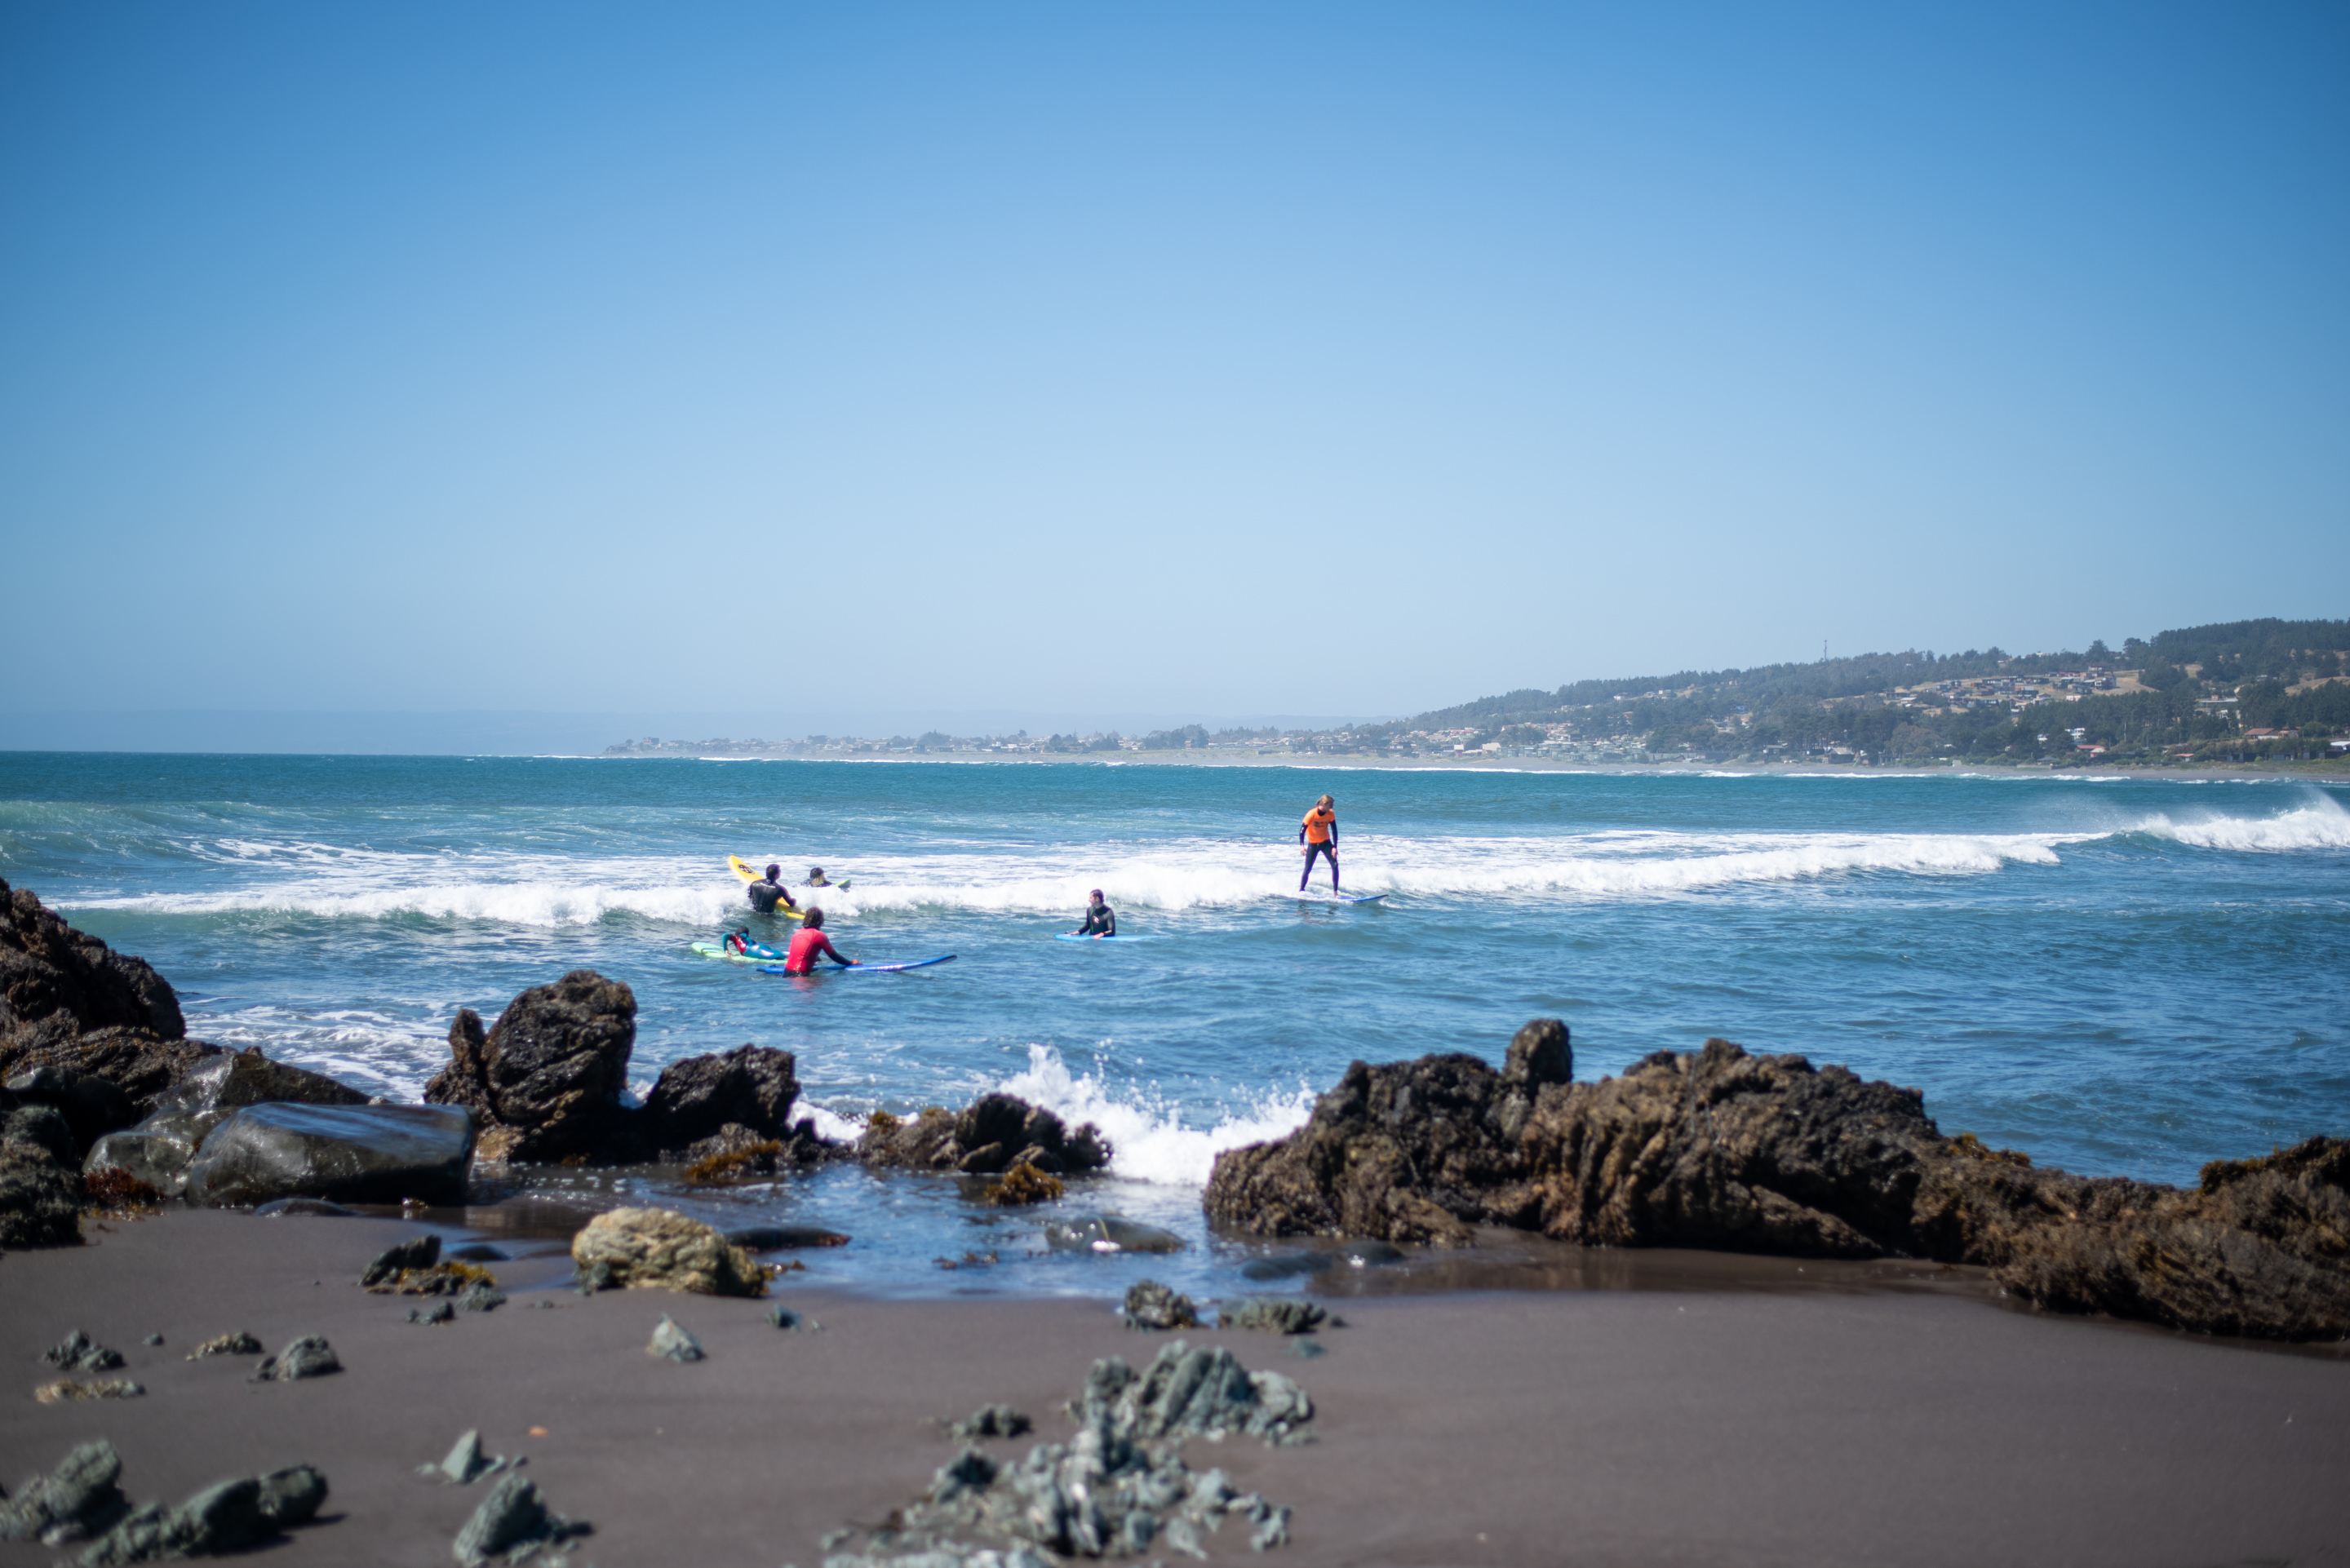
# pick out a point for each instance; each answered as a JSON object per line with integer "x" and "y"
{"x": 2237, "y": 692}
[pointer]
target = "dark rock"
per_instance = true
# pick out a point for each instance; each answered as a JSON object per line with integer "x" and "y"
{"x": 40, "y": 1186}
{"x": 671, "y": 1343}
{"x": 514, "y": 1515}
{"x": 48, "y": 969}
{"x": 139, "y": 1061}
{"x": 783, "y": 1237}
{"x": 1277, "y": 1315}
{"x": 78, "y": 1353}
{"x": 751, "y": 1087}
{"x": 1108, "y": 1233}
{"x": 79, "y": 1498}
{"x": 316, "y": 1207}
{"x": 227, "y": 1517}
{"x": 991, "y": 1421}
{"x": 1724, "y": 1151}
{"x": 158, "y": 1151}
{"x": 418, "y": 1252}
{"x": 996, "y": 1133}
{"x": 480, "y": 1295}
{"x": 91, "y": 1106}
{"x": 1288, "y": 1265}
{"x": 153, "y": 1340}
{"x": 1151, "y": 1305}
{"x": 308, "y": 1357}
{"x": 438, "y": 1312}
{"x": 292, "y": 1496}
{"x": 792, "y": 1321}
{"x": 971, "y": 1472}
{"x": 354, "y": 1154}
{"x": 547, "y": 1077}
{"x": 225, "y": 1082}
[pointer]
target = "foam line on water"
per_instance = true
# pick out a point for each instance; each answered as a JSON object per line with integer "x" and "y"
{"x": 2323, "y": 823}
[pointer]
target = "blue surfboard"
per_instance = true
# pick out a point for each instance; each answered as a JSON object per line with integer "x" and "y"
{"x": 863, "y": 968}
{"x": 1340, "y": 898}
{"x": 1073, "y": 937}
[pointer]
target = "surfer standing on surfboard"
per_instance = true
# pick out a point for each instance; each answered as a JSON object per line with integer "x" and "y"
{"x": 768, "y": 891}
{"x": 1320, "y": 836}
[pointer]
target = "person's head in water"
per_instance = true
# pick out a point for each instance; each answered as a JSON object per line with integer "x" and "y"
{"x": 815, "y": 876}
{"x": 774, "y": 872}
{"x": 813, "y": 920}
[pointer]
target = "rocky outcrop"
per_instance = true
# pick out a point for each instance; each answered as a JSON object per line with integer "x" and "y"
{"x": 514, "y": 1524}
{"x": 229, "y": 1516}
{"x": 545, "y": 1081}
{"x": 161, "y": 1149}
{"x": 1415, "y": 1151}
{"x": 660, "y": 1248}
{"x": 547, "y": 1084}
{"x": 996, "y": 1133}
{"x": 83, "y": 1496}
{"x": 1721, "y": 1149}
{"x": 40, "y": 1186}
{"x": 48, "y": 969}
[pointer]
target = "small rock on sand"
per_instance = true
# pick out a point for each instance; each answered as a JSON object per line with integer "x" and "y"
{"x": 465, "y": 1462}
{"x": 991, "y": 1421}
{"x": 237, "y": 1343}
{"x": 660, "y": 1248}
{"x": 79, "y": 1497}
{"x": 1274, "y": 1314}
{"x": 416, "y": 1253}
{"x": 66, "y": 1390}
{"x": 513, "y": 1515}
{"x": 308, "y": 1357}
{"x": 671, "y": 1343}
{"x": 1151, "y": 1305}
{"x": 439, "y": 1311}
{"x": 80, "y": 1352}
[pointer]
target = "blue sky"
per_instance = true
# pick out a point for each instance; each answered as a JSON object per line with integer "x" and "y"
{"x": 1115, "y": 359}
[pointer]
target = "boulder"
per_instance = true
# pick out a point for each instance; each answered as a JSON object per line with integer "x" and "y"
{"x": 546, "y": 1079}
{"x": 308, "y": 1357}
{"x": 40, "y": 1187}
{"x": 350, "y": 1154}
{"x": 751, "y": 1087}
{"x": 48, "y": 969}
{"x": 660, "y": 1248}
{"x": 1273, "y": 1314}
{"x": 231, "y": 1079}
{"x": 1151, "y": 1305}
{"x": 514, "y": 1514}
{"x": 91, "y": 1106}
{"x": 993, "y": 1134}
{"x": 229, "y": 1516}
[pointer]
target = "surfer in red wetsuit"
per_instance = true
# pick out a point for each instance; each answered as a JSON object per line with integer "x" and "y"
{"x": 809, "y": 943}
{"x": 1320, "y": 837}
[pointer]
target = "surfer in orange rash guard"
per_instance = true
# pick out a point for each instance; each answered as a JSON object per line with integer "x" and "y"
{"x": 809, "y": 943}
{"x": 1320, "y": 837}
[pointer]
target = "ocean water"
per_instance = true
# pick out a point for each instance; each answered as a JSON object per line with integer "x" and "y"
{"x": 2117, "y": 975}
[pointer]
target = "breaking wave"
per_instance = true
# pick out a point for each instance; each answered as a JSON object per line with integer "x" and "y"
{"x": 2323, "y": 823}
{"x": 1149, "y": 1141}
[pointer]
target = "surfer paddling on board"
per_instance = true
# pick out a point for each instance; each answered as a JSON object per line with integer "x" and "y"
{"x": 1320, "y": 837}
{"x": 768, "y": 891}
{"x": 1100, "y": 920}
{"x": 809, "y": 943}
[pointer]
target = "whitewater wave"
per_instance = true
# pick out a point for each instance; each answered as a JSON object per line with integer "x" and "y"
{"x": 2323, "y": 823}
{"x": 1149, "y": 1141}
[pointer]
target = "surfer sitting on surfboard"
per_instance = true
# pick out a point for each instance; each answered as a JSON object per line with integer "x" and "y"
{"x": 1320, "y": 836}
{"x": 768, "y": 891}
{"x": 1100, "y": 920}
{"x": 816, "y": 878}
{"x": 809, "y": 942}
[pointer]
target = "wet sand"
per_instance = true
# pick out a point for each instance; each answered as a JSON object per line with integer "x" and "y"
{"x": 1622, "y": 1426}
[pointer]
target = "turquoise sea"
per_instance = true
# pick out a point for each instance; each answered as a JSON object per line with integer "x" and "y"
{"x": 2117, "y": 975}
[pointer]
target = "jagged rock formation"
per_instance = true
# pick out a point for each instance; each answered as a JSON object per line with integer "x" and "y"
{"x": 1721, "y": 1149}
{"x": 40, "y": 1181}
{"x": 94, "y": 1032}
{"x": 544, "y": 1084}
{"x": 993, "y": 1134}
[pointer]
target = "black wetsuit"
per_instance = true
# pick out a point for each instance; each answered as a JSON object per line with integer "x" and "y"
{"x": 765, "y": 894}
{"x": 1100, "y": 921}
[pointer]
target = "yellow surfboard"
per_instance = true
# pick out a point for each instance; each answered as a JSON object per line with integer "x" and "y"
{"x": 748, "y": 875}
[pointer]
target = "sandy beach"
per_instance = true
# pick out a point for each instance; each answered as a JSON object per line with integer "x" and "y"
{"x": 1620, "y": 1427}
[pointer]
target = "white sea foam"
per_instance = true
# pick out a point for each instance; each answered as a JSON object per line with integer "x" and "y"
{"x": 1149, "y": 1141}
{"x": 2323, "y": 823}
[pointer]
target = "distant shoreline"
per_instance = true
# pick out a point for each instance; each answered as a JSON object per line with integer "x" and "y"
{"x": 1240, "y": 757}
